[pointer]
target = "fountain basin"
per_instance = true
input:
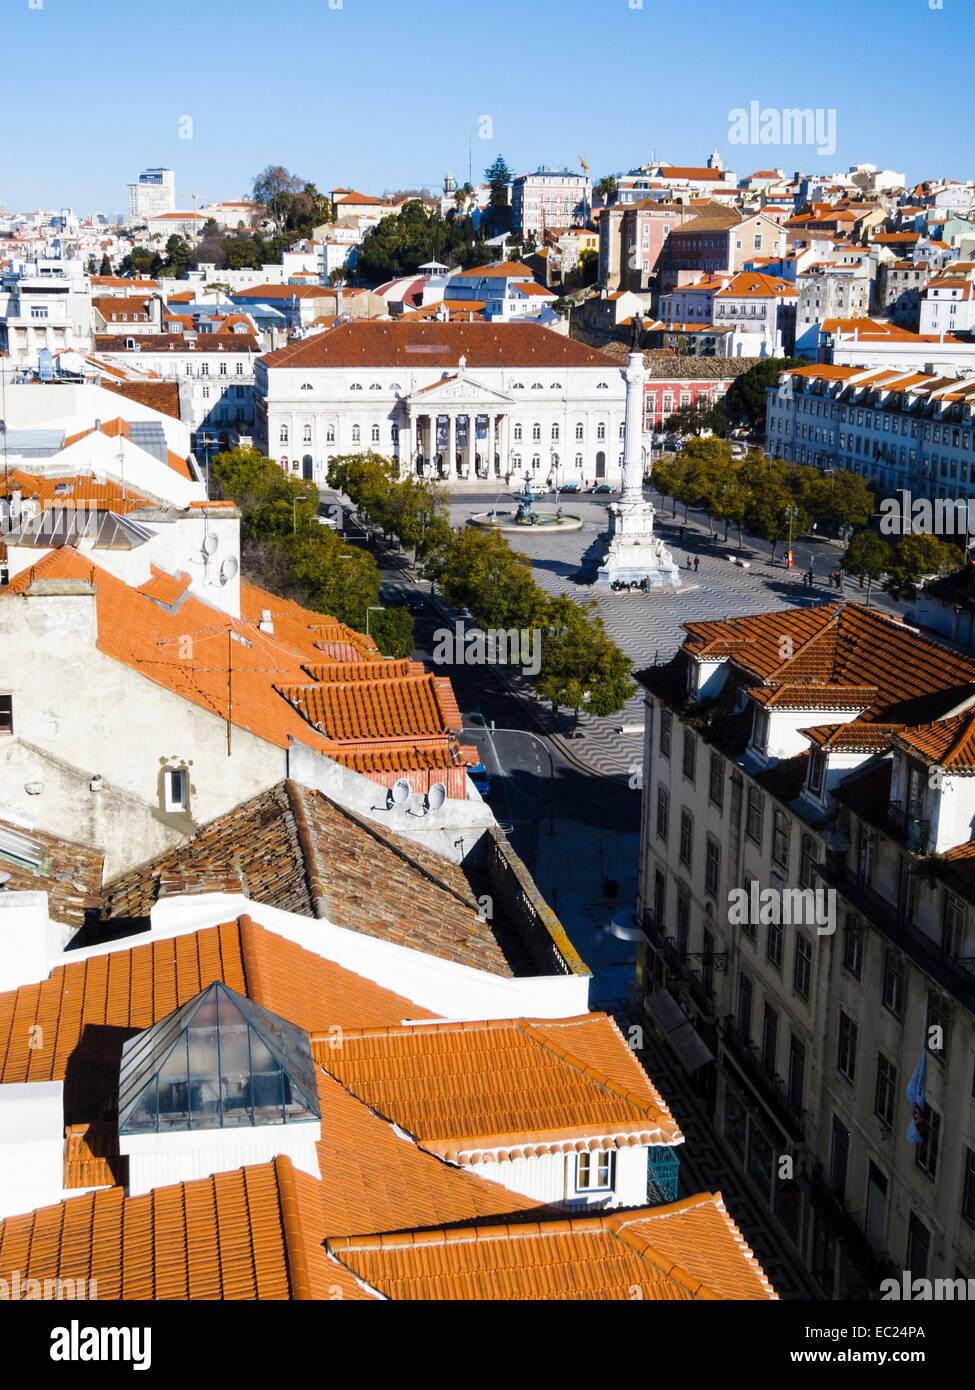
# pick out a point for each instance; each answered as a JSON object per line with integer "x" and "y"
{"x": 509, "y": 522}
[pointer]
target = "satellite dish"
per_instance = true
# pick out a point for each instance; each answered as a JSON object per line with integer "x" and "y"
{"x": 402, "y": 791}
{"x": 210, "y": 544}
{"x": 229, "y": 568}
{"x": 436, "y": 796}
{"x": 4, "y": 878}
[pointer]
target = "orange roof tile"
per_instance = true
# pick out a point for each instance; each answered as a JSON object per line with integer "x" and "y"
{"x": 686, "y": 1250}
{"x": 164, "y": 588}
{"x": 547, "y": 1085}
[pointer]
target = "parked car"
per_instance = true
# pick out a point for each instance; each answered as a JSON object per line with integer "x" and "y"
{"x": 602, "y": 487}
{"x": 569, "y": 487}
{"x": 480, "y": 777}
{"x": 416, "y": 603}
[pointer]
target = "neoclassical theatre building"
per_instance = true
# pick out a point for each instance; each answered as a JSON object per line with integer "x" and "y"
{"x": 466, "y": 402}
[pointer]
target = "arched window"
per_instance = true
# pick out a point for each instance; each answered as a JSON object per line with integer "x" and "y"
{"x": 330, "y": 435}
{"x": 375, "y": 386}
{"x": 517, "y": 433}
{"x": 536, "y": 386}
{"x": 283, "y": 436}
{"x": 375, "y": 434}
{"x": 536, "y": 431}
{"x": 622, "y": 430}
{"x": 396, "y": 386}
{"x": 305, "y": 385}
{"x": 580, "y": 430}
{"x": 536, "y": 460}
{"x": 306, "y": 437}
{"x": 578, "y": 460}
{"x": 355, "y": 386}
{"x": 355, "y": 434}
{"x": 600, "y": 431}
{"x": 556, "y": 386}
{"x": 516, "y": 460}
{"x": 603, "y": 386}
{"x": 555, "y": 432}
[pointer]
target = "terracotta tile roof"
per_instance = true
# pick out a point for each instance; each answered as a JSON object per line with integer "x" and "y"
{"x": 855, "y": 737}
{"x": 294, "y": 849}
{"x": 815, "y": 696}
{"x": 256, "y": 1233}
{"x": 164, "y": 588}
{"x": 534, "y": 1093}
{"x": 116, "y": 307}
{"x": 950, "y": 743}
{"x": 158, "y": 395}
{"x": 74, "y": 490}
{"x": 70, "y": 874}
{"x": 503, "y": 270}
{"x": 204, "y": 343}
{"x": 686, "y": 1250}
{"x": 407, "y": 707}
{"x": 843, "y": 644}
{"x": 407, "y": 343}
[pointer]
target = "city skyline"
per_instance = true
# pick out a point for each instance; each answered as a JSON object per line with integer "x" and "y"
{"x": 685, "y": 107}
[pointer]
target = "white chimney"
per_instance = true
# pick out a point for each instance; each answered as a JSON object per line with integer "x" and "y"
{"x": 266, "y": 624}
{"x": 29, "y": 941}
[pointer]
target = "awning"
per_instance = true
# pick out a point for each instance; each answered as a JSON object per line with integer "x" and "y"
{"x": 678, "y": 1030}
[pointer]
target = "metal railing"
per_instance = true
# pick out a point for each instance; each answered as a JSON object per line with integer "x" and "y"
{"x": 771, "y": 1089}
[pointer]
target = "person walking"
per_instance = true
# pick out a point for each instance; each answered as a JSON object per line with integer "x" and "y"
{"x": 697, "y": 564}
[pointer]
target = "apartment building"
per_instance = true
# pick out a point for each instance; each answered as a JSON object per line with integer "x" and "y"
{"x": 826, "y": 750}
{"x": 548, "y": 198}
{"x": 152, "y": 193}
{"x": 45, "y": 305}
{"x": 912, "y": 430}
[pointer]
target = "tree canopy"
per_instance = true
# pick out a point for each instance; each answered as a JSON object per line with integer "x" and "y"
{"x": 747, "y": 396}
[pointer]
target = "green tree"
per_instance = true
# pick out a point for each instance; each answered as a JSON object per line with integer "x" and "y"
{"x": 274, "y": 188}
{"x": 916, "y": 556}
{"x": 869, "y": 557}
{"x": 589, "y": 265}
{"x": 106, "y": 266}
{"x": 392, "y": 629}
{"x": 479, "y": 570}
{"x": 605, "y": 187}
{"x": 581, "y": 666}
{"x": 697, "y": 419}
{"x": 747, "y": 397}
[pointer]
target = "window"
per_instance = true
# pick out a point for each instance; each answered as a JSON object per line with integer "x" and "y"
{"x": 716, "y": 781}
{"x": 735, "y": 811}
{"x": 939, "y": 1018}
{"x": 756, "y": 812}
{"x": 283, "y": 434}
{"x": 516, "y": 435}
{"x": 580, "y": 431}
{"x": 6, "y": 714}
{"x": 839, "y": 1152}
{"x": 663, "y": 812}
{"x": 744, "y": 1018}
{"x": 683, "y": 923}
{"x": 204, "y": 369}
{"x": 330, "y": 435}
{"x": 355, "y": 434}
{"x": 853, "y": 946}
{"x": 802, "y": 968}
{"x": 374, "y": 434}
{"x": 666, "y": 724}
{"x": 780, "y": 838}
{"x": 536, "y": 432}
{"x": 686, "y": 837}
{"x": 865, "y": 855}
{"x": 600, "y": 431}
{"x": 690, "y": 755}
{"x": 175, "y": 790}
{"x": 968, "y": 1187}
{"x": 770, "y": 1038}
{"x": 773, "y": 944}
{"x": 952, "y": 926}
{"x": 884, "y": 1090}
{"x": 240, "y": 369}
{"x": 797, "y": 1071}
{"x": 306, "y": 434}
{"x": 713, "y": 867}
{"x": 918, "y": 1247}
{"x": 846, "y": 1053}
{"x": 595, "y": 1172}
{"x": 394, "y": 433}
{"x": 807, "y": 862}
{"x": 223, "y": 369}
{"x": 555, "y": 434}
{"x": 926, "y": 1155}
{"x": 892, "y": 991}
{"x": 205, "y": 393}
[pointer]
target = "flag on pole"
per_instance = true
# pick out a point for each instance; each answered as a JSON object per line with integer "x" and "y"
{"x": 915, "y": 1094}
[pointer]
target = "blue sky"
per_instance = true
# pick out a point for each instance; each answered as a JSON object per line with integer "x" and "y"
{"x": 376, "y": 94}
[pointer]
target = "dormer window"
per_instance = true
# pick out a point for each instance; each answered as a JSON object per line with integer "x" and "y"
{"x": 816, "y": 771}
{"x": 595, "y": 1172}
{"x": 760, "y": 729}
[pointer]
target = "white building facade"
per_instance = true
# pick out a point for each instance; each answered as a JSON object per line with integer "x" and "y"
{"x": 153, "y": 193}
{"x": 464, "y": 402}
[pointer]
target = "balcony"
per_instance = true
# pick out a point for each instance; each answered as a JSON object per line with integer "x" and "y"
{"x": 771, "y": 1089}
{"x": 662, "y": 1175}
{"x": 910, "y": 829}
{"x": 873, "y": 1266}
{"x": 955, "y": 974}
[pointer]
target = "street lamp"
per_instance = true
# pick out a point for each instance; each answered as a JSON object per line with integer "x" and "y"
{"x": 375, "y": 609}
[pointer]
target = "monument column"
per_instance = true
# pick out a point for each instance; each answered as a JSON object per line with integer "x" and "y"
{"x": 451, "y": 445}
